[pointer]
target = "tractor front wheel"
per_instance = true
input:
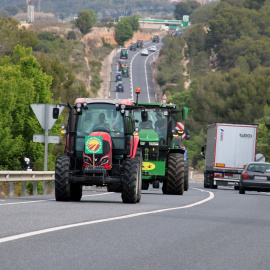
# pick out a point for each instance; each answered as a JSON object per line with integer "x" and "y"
{"x": 131, "y": 181}
{"x": 175, "y": 178}
{"x": 62, "y": 185}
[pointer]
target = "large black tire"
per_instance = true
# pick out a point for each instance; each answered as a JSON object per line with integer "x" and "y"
{"x": 145, "y": 185}
{"x": 131, "y": 180}
{"x": 242, "y": 189}
{"x": 175, "y": 178}
{"x": 62, "y": 185}
{"x": 139, "y": 159}
{"x": 186, "y": 173}
{"x": 75, "y": 192}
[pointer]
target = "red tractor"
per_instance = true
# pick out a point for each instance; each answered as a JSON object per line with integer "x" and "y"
{"x": 101, "y": 150}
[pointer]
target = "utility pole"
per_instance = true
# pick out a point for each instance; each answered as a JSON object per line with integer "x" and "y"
{"x": 30, "y": 10}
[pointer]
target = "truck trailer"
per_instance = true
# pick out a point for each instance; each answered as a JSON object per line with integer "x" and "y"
{"x": 228, "y": 150}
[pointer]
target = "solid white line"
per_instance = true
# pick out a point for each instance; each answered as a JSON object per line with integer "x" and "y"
{"x": 15, "y": 203}
{"x": 29, "y": 234}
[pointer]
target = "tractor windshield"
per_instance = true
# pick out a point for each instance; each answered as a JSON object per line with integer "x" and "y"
{"x": 100, "y": 117}
{"x": 156, "y": 121}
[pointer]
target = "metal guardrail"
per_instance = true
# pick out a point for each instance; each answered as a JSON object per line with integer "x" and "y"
{"x": 28, "y": 176}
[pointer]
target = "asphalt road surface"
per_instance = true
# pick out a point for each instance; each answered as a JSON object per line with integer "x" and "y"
{"x": 203, "y": 229}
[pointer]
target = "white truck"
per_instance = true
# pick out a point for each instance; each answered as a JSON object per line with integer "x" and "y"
{"x": 229, "y": 148}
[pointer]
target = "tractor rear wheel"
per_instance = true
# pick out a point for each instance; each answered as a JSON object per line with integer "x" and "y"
{"x": 131, "y": 186}
{"x": 62, "y": 185}
{"x": 175, "y": 178}
{"x": 75, "y": 192}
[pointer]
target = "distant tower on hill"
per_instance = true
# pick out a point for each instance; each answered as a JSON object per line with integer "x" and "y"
{"x": 30, "y": 10}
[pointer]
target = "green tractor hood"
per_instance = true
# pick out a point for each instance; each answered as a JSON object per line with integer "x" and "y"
{"x": 148, "y": 135}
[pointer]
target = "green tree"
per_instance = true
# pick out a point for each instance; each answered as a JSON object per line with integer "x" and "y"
{"x": 185, "y": 8}
{"x": 86, "y": 20}
{"x": 11, "y": 35}
{"x": 123, "y": 32}
{"x": 133, "y": 22}
{"x": 22, "y": 82}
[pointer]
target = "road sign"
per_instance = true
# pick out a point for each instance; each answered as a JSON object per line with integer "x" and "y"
{"x": 41, "y": 138}
{"x": 164, "y": 99}
{"x": 42, "y": 113}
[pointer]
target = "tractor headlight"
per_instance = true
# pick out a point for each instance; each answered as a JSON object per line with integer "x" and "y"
{"x": 87, "y": 160}
{"x": 142, "y": 143}
{"x": 153, "y": 143}
{"x": 79, "y": 107}
{"x": 104, "y": 160}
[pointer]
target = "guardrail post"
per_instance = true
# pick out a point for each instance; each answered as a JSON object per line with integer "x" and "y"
{"x": 52, "y": 187}
{"x": 35, "y": 188}
{"x": 11, "y": 189}
{"x": 44, "y": 188}
{"x": 24, "y": 188}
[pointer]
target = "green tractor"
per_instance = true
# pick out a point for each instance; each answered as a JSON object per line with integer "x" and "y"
{"x": 165, "y": 159}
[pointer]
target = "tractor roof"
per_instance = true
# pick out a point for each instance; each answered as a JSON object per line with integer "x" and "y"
{"x": 160, "y": 105}
{"x": 104, "y": 100}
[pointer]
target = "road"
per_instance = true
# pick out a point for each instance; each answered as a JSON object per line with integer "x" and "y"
{"x": 140, "y": 75}
{"x": 203, "y": 229}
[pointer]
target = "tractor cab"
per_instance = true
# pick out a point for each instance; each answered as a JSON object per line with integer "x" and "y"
{"x": 124, "y": 53}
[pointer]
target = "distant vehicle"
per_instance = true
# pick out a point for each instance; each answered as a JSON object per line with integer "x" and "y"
{"x": 230, "y": 147}
{"x": 124, "y": 53}
{"x": 255, "y": 177}
{"x": 125, "y": 71}
{"x": 118, "y": 76}
{"x": 119, "y": 86}
{"x": 156, "y": 38}
{"x": 133, "y": 46}
{"x": 121, "y": 63}
{"x": 144, "y": 52}
{"x": 153, "y": 48}
{"x": 139, "y": 43}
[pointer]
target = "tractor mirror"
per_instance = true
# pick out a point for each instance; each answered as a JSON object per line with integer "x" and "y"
{"x": 184, "y": 113}
{"x": 55, "y": 113}
{"x": 188, "y": 134}
{"x": 144, "y": 116}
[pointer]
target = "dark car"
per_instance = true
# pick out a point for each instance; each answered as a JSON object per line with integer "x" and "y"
{"x": 255, "y": 177}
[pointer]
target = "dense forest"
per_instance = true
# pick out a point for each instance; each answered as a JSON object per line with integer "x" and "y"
{"x": 228, "y": 52}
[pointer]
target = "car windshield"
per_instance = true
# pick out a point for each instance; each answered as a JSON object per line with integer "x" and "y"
{"x": 263, "y": 168}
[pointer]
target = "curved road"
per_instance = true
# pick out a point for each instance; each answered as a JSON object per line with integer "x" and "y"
{"x": 203, "y": 229}
{"x": 140, "y": 75}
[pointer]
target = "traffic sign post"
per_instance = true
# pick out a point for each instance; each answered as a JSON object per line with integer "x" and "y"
{"x": 44, "y": 114}
{"x": 164, "y": 99}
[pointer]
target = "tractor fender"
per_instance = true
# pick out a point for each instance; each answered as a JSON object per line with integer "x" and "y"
{"x": 134, "y": 142}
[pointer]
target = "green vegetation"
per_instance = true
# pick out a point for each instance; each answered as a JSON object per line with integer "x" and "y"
{"x": 185, "y": 8}
{"x": 123, "y": 32}
{"x": 86, "y": 20}
{"x": 229, "y": 68}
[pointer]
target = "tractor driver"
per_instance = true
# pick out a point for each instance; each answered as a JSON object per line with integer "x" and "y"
{"x": 160, "y": 126}
{"x": 102, "y": 123}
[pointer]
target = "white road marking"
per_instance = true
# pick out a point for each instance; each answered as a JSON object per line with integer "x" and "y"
{"x": 101, "y": 194}
{"x": 54, "y": 229}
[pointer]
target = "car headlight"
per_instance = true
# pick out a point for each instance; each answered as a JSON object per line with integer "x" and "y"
{"x": 153, "y": 143}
